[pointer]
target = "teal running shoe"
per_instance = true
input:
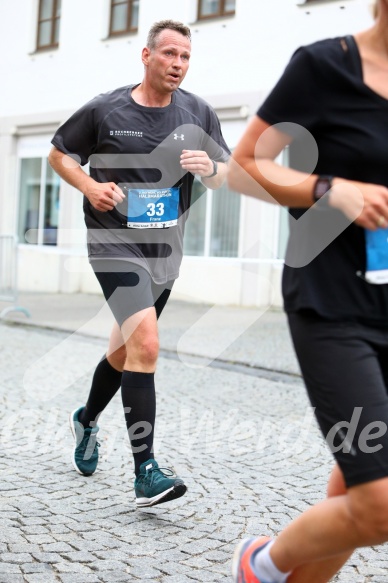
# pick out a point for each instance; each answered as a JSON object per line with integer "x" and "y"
{"x": 85, "y": 454}
{"x": 155, "y": 485}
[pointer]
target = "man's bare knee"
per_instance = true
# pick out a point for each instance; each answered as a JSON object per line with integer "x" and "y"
{"x": 117, "y": 358}
{"x": 148, "y": 351}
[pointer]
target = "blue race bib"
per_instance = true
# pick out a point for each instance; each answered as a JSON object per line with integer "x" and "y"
{"x": 376, "y": 256}
{"x": 155, "y": 208}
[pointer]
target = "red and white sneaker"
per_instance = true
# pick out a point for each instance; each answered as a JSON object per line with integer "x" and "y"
{"x": 242, "y": 566}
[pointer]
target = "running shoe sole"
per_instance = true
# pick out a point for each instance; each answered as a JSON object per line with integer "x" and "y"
{"x": 173, "y": 493}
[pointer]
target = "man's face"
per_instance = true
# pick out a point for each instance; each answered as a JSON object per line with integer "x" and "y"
{"x": 167, "y": 64}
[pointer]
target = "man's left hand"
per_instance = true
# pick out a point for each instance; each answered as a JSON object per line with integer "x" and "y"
{"x": 197, "y": 162}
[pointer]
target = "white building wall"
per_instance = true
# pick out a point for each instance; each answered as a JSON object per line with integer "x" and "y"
{"x": 242, "y": 54}
{"x": 235, "y": 62}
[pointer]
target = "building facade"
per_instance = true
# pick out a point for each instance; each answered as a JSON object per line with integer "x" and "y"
{"x": 58, "y": 54}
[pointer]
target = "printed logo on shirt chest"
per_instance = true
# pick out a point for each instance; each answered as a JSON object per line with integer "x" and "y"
{"x": 126, "y": 133}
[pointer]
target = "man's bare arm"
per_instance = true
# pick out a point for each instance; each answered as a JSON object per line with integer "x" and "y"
{"x": 102, "y": 196}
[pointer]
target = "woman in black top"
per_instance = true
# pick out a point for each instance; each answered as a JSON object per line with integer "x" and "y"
{"x": 331, "y": 107}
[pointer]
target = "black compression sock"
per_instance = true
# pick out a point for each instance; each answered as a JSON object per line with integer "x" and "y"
{"x": 139, "y": 402}
{"x": 105, "y": 384}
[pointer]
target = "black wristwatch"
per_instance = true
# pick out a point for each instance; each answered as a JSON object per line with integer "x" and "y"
{"x": 322, "y": 185}
{"x": 215, "y": 170}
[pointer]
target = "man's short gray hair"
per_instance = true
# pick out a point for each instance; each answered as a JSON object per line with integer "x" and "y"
{"x": 158, "y": 27}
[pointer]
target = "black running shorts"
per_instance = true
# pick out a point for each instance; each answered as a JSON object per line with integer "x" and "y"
{"x": 345, "y": 369}
{"x": 129, "y": 288}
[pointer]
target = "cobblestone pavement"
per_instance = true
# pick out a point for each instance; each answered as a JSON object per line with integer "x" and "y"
{"x": 246, "y": 446}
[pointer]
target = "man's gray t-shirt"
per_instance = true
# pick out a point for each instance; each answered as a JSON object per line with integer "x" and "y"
{"x": 139, "y": 149}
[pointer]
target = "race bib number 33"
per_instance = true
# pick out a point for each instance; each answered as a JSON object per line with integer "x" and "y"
{"x": 153, "y": 208}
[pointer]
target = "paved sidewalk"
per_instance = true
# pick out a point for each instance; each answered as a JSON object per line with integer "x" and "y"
{"x": 251, "y": 336}
{"x": 242, "y": 437}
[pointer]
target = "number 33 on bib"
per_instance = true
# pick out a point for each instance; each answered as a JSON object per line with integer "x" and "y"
{"x": 153, "y": 208}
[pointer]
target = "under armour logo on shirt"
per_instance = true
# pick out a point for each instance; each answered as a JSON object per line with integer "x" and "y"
{"x": 181, "y": 137}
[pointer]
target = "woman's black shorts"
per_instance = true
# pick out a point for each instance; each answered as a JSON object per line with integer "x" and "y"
{"x": 345, "y": 369}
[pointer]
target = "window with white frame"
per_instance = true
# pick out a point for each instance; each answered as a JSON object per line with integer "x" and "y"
{"x": 38, "y": 201}
{"x": 124, "y": 17}
{"x": 214, "y": 8}
{"x": 213, "y": 226}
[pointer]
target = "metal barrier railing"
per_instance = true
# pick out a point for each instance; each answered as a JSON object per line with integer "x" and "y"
{"x": 8, "y": 275}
